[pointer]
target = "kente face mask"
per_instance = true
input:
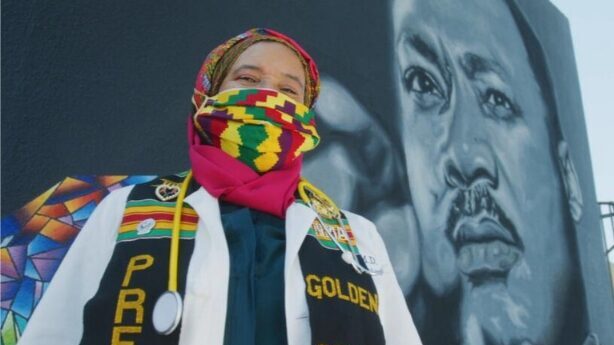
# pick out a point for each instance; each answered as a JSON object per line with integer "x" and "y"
{"x": 262, "y": 128}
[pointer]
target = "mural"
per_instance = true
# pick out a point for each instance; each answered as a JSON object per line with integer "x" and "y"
{"x": 494, "y": 197}
{"x": 456, "y": 126}
{"x": 493, "y": 186}
{"x": 36, "y": 237}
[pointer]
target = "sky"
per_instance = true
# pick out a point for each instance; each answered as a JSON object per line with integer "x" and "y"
{"x": 592, "y": 31}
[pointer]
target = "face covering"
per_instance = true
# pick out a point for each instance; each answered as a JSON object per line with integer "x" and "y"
{"x": 264, "y": 129}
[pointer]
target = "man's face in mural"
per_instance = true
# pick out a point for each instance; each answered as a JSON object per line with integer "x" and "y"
{"x": 484, "y": 180}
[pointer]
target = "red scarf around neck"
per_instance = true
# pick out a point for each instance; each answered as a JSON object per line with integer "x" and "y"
{"x": 228, "y": 179}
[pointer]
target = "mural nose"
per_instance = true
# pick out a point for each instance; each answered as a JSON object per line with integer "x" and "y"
{"x": 469, "y": 158}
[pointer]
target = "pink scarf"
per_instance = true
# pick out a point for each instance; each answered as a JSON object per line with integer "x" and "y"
{"x": 228, "y": 179}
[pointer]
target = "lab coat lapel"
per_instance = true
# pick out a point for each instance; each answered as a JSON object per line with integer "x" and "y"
{"x": 298, "y": 220}
{"x": 205, "y": 301}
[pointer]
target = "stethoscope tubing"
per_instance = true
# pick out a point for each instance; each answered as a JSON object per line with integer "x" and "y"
{"x": 168, "y": 309}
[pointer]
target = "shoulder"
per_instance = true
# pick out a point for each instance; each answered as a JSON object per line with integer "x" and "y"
{"x": 371, "y": 243}
{"x": 110, "y": 212}
{"x": 358, "y": 219}
{"x": 116, "y": 199}
{"x": 363, "y": 227}
{"x": 111, "y": 206}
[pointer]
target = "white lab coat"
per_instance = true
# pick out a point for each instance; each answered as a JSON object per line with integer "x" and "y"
{"x": 58, "y": 317}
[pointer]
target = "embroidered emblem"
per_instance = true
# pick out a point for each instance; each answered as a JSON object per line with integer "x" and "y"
{"x": 345, "y": 238}
{"x": 323, "y": 206}
{"x": 168, "y": 190}
{"x": 331, "y": 225}
{"x": 145, "y": 226}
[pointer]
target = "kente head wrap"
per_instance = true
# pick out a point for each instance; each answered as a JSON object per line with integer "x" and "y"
{"x": 217, "y": 64}
{"x": 221, "y": 174}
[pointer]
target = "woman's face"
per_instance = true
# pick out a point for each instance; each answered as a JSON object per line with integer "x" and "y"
{"x": 268, "y": 65}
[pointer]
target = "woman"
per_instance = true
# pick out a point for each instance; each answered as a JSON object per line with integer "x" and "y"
{"x": 239, "y": 250}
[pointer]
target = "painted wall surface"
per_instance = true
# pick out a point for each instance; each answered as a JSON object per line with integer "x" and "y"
{"x": 456, "y": 126}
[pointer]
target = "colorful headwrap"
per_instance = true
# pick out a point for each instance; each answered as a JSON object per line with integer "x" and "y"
{"x": 219, "y": 61}
{"x": 246, "y": 145}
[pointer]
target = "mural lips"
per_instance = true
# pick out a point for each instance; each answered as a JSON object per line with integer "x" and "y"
{"x": 486, "y": 242}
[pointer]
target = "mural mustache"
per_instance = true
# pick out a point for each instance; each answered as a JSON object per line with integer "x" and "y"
{"x": 485, "y": 240}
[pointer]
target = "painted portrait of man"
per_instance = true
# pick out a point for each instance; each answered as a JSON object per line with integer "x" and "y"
{"x": 492, "y": 183}
{"x": 442, "y": 122}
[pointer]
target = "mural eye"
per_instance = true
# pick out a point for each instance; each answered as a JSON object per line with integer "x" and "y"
{"x": 418, "y": 80}
{"x": 423, "y": 86}
{"x": 498, "y": 105}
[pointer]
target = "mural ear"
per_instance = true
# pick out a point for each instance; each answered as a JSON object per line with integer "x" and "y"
{"x": 571, "y": 182}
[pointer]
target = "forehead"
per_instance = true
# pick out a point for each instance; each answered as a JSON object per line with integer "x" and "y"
{"x": 272, "y": 56}
{"x": 482, "y": 27}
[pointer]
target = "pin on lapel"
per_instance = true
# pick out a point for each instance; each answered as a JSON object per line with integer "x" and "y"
{"x": 145, "y": 226}
{"x": 168, "y": 190}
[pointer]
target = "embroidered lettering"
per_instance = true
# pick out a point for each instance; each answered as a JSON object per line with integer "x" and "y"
{"x": 341, "y": 295}
{"x": 373, "y": 302}
{"x": 328, "y": 287}
{"x": 135, "y": 304}
{"x": 353, "y": 293}
{"x": 313, "y": 290}
{"x": 130, "y": 299}
{"x": 119, "y": 330}
{"x": 363, "y": 297}
{"x": 137, "y": 263}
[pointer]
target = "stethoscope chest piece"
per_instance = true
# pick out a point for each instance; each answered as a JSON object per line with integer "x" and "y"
{"x": 167, "y": 312}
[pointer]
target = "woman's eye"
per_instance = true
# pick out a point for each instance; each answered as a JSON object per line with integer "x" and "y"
{"x": 288, "y": 90}
{"x": 498, "y": 105}
{"x": 424, "y": 87}
{"x": 247, "y": 78}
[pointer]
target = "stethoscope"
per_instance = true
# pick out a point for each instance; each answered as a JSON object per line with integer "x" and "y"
{"x": 169, "y": 306}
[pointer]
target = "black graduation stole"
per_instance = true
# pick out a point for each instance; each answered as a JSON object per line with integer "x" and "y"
{"x": 342, "y": 303}
{"x": 137, "y": 274}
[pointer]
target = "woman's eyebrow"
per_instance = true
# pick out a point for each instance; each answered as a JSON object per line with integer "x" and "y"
{"x": 295, "y": 78}
{"x": 248, "y": 67}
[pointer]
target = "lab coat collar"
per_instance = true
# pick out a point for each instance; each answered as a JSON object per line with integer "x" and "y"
{"x": 298, "y": 218}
